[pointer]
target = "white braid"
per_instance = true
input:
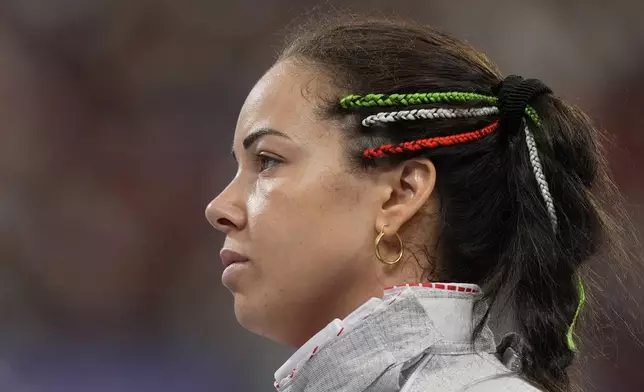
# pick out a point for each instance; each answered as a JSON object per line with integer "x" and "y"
{"x": 541, "y": 178}
{"x": 427, "y": 114}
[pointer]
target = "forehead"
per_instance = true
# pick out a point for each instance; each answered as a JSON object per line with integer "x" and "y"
{"x": 284, "y": 99}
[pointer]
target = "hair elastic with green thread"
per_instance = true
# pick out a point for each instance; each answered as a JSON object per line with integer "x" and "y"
{"x": 580, "y": 307}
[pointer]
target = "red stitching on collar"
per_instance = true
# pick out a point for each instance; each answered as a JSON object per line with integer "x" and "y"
{"x": 439, "y": 286}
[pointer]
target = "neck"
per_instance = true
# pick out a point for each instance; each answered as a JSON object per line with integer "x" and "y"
{"x": 342, "y": 298}
{"x": 334, "y": 302}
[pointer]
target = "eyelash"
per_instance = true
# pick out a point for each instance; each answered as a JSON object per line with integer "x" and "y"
{"x": 262, "y": 158}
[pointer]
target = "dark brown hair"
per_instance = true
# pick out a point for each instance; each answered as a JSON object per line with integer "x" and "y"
{"x": 494, "y": 228}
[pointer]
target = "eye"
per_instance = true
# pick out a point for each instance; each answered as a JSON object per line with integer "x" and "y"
{"x": 266, "y": 161}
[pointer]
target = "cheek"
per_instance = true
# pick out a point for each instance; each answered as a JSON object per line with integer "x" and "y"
{"x": 299, "y": 226}
{"x": 308, "y": 239}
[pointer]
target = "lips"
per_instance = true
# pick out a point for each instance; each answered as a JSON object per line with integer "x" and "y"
{"x": 229, "y": 257}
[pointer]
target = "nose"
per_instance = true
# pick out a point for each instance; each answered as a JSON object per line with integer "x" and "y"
{"x": 224, "y": 212}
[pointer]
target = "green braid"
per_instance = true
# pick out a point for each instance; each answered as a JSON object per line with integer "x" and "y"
{"x": 374, "y": 100}
{"x": 529, "y": 110}
{"x": 378, "y": 100}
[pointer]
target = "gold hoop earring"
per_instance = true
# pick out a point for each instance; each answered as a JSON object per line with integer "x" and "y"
{"x": 377, "y": 245}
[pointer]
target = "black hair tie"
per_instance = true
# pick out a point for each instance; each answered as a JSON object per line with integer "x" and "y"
{"x": 514, "y": 94}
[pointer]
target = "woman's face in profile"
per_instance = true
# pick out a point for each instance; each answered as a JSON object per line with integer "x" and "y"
{"x": 294, "y": 210}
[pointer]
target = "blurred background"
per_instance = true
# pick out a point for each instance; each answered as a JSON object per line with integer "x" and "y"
{"x": 116, "y": 120}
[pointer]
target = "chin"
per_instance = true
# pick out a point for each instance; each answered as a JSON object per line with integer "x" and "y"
{"x": 253, "y": 317}
{"x": 247, "y": 313}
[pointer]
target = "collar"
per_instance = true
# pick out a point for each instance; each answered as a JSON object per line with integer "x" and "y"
{"x": 375, "y": 341}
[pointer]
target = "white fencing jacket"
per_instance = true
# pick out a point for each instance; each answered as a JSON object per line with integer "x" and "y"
{"x": 417, "y": 338}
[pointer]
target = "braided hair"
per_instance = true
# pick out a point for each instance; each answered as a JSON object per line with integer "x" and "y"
{"x": 518, "y": 169}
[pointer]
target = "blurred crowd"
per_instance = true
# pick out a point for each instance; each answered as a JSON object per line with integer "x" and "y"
{"x": 116, "y": 119}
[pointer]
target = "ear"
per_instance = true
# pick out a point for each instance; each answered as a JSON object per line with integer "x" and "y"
{"x": 409, "y": 187}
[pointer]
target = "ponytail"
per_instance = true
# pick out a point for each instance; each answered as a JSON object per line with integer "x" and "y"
{"x": 542, "y": 266}
{"x": 540, "y": 263}
{"x": 498, "y": 228}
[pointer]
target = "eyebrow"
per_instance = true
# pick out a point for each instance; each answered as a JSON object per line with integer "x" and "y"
{"x": 254, "y": 137}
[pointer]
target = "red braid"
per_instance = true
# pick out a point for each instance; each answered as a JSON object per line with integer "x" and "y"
{"x": 432, "y": 142}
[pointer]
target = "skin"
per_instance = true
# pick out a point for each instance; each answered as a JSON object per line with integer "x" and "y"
{"x": 305, "y": 220}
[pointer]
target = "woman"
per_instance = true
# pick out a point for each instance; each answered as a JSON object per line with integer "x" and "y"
{"x": 379, "y": 162}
